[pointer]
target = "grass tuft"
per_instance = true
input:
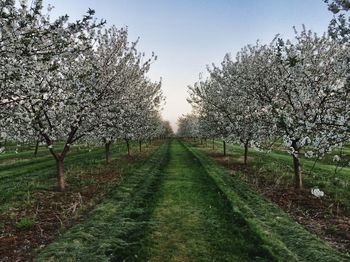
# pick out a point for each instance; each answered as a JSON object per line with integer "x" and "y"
{"x": 25, "y": 223}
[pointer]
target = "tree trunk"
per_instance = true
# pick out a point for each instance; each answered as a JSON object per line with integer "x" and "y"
{"x": 213, "y": 143}
{"x": 224, "y": 144}
{"x": 128, "y": 146}
{"x": 298, "y": 181}
{"x": 36, "y": 148}
{"x": 246, "y": 152}
{"x": 140, "y": 145}
{"x": 60, "y": 174}
{"x": 107, "y": 151}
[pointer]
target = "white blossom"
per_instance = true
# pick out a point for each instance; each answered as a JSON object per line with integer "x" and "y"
{"x": 317, "y": 192}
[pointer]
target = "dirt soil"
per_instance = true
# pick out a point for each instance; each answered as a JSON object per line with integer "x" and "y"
{"x": 321, "y": 216}
{"x": 53, "y": 213}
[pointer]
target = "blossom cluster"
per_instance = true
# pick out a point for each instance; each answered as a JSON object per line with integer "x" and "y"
{"x": 67, "y": 81}
{"x": 290, "y": 91}
{"x": 64, "y": 80}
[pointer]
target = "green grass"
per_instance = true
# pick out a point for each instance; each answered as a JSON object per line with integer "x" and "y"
{"x": 194, "y": 221}
{"x": 21, "y": 174}
{"x": 276, "y": 168}
{"x": 113, "y": 228}
{"x": 285, "y": 238}
{"x": 25, "y": 223}
{"x": 181, "y": 206}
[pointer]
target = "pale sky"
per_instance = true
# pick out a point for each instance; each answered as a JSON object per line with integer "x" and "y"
{"x": 187, "y": 35}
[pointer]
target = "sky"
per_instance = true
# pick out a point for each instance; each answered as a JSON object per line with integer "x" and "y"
{"x": 188, "y": 35}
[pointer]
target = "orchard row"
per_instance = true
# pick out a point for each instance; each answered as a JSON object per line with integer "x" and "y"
{"x": 292, "y": 91}
{"x": 70, "y": 81}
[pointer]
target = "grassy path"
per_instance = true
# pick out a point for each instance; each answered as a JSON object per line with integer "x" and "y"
{"x": 286, "y": 239}
{"x": 180, "y": 206}
{"x": 112, "y": 230}
{"x": 193, "y": 219}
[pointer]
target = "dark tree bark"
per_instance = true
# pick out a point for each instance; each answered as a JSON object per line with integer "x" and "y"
{"x": 60, "y": 175}
{"x": 246, "y": 152}
{"x": 213, "y": 143}
{"x": 298, "y": 181}
{"x": 107, "y": 151}
{"x": 224, "y": 145}
{"x": 140, "y": 145}
{"x": 36, "y": 148}
{"x": 59, "y": 157}
{"x": 128, "y": 146}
